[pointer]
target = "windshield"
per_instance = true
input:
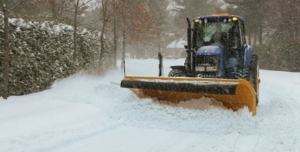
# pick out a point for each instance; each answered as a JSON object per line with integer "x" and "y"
{"x": 216, "y": 33}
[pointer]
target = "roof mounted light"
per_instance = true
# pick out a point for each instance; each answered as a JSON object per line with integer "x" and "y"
{"x": 220, "y": 14}
{"x": 196, "y": 20}
{"x": 235, "y": 19}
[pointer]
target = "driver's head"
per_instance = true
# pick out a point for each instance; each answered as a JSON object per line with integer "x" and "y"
{"x": 218, "y": 28}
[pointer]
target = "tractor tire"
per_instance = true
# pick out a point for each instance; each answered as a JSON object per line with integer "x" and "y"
{"x": 178, "y": 72}
{"x": 254, "y": 74}
{"x": 242, "y": 73}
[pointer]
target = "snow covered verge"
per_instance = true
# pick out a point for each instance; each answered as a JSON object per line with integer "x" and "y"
{"x": 85, "y": 113}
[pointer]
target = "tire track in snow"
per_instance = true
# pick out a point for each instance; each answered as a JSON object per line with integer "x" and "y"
{"x": 73, "y": 140}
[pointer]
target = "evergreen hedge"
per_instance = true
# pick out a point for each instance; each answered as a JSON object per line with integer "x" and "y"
{"x": 42, "y": 52}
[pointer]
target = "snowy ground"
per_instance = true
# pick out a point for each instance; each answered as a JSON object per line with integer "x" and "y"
{"x": 85, "y": 113}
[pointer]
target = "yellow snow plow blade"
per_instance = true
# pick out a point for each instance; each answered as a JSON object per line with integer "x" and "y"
{"x": 233, "y": 93}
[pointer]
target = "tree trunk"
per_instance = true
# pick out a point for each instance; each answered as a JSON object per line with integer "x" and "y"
{"x": 124, "y": 50}
{"x": 260, "y": 32}
{"x": 5, "y": 92}
{"x": 255, "y": 38}
{"x": 296, "y": 32}
{"x": 53, "y": 9}
{"x": 75, "y": 36}
{"x": 249, "y": 37}
{"x": 115, "y": 36}
{"x": 104, "y": 5}
{"x": 62, "y": 5}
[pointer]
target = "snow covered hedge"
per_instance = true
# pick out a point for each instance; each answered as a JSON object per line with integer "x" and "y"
{"x": 42, "y": 52}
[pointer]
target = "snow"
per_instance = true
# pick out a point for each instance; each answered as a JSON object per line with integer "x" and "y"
{"x": 84, "y": 31}
{"x": 177, "y": 44}
{"x": 57, "y": 28}
{"x": 88, "y": 113}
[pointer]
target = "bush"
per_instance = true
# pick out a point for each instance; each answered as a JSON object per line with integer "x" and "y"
{"x": 42, "y": 52}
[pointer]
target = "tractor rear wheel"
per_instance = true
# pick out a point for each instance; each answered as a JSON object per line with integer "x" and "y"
{"x": 178, "y": 71}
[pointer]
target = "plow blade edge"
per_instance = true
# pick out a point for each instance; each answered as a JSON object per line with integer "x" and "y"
{"x": 233, "y": 93}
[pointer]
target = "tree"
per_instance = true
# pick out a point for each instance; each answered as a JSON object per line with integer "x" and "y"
{"x": 79, "y": 8}
{"x": 274, "y": 26}
{"x": 32, "y": 8}
{"x": 253, "y": 13}
{"x": 5, "y": 92}
{"x": 137, "y": 23}
{"x": 53, "y": 8}
{"x": 105, "y": 20}
{"x": 115, "y": 31}
{"x": 99, "y": 18}
{"x": 161, "y": 20}
{"x": 6, "y": 11}
{"x": 134, "y": 22}
{"x": 76, "y": 7}
{"x": 191, "y": 9}
{"x": 61, "y": 9}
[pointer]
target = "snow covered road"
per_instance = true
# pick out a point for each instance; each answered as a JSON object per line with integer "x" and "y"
{"x": 85, "y": 113}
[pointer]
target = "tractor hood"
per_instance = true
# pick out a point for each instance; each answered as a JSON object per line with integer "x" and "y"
{"x": 204, "y": 54}
{"x": 210, "y": 50}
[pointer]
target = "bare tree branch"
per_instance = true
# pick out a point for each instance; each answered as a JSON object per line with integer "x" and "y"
{"x": 17, "y": 5}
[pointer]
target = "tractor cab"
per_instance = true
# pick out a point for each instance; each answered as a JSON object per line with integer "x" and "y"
{"x": 225, "y": 30}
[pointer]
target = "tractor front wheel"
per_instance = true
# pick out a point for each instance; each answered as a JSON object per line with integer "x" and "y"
{"x": 254, "y": 74}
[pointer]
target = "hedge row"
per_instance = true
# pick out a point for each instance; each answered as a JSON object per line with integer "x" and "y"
{"x": 42, "y": 52}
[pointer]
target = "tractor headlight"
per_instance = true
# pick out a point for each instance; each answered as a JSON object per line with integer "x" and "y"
{"x": 200, "y": 68}
{"x": 212, "y": 69}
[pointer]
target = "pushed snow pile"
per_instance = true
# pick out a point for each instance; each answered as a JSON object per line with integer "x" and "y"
{"x": 205, "y": 116}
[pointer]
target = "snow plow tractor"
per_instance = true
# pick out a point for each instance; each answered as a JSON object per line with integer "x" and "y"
{"x": 219, "y": 64}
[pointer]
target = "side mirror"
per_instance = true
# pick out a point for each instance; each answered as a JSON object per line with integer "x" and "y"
{"x": 186, "y": 46}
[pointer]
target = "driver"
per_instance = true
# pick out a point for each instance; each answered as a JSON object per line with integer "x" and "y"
{"x": 218, "y": 34}
{"x": 219, "y": 37}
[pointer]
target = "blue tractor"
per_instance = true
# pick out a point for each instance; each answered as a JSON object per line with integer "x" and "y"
{"x": 217, "y": 49}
